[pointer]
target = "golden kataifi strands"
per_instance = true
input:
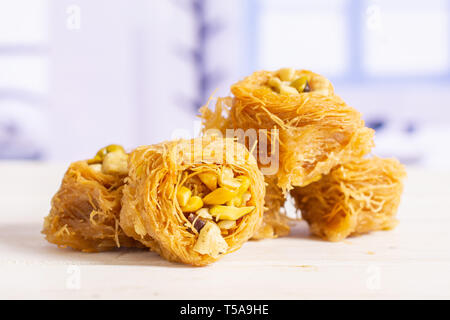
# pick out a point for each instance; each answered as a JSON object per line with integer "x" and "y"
{"x": 275, "y": 222}
{"x": 354, "y": 198}
{"x": 150, "y": 212}
{"x": 317, "y": 131}
{"x": 85, "y": 211}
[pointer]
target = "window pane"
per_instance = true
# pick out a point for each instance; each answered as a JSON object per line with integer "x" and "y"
{"x": 23, "y": 73}
{"x": 304, "y": 34}
{"x": 23, "y": 21}
{"x": 406, "y": 37}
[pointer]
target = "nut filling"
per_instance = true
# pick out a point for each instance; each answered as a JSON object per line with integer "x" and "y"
{"x": 111, "y": 159}
{"x": 288, "y": 82}
{"x": 213, "y": 203}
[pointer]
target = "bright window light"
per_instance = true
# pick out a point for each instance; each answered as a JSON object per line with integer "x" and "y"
{"x": 23, "y": 21}
{"x": 406, "y": 38}
{"x": 25, "y": 73}
{"x": 300, "y": 34}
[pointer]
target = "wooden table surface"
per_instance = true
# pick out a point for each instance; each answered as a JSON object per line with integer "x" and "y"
{"x": 412, "y": 261}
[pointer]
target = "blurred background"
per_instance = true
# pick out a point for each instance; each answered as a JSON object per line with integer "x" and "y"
{"x": 77, "y": 75}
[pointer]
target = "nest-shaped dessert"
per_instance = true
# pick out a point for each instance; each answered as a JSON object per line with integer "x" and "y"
{"x": 309, "y": 129}
{"x": 354, "y": 198}
{"x": 85, "y": 211}
{"x": 193, "y": 201}
{"x": 317, "y": 129}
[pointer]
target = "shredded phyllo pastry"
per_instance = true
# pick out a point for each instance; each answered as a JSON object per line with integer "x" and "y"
{"x": 275, "y": 223}
{"x": 354, "y": 198}
{"x": 193, "y": 201}
{"x": 85, "y": 210}
{"x": 281, "y": 133}
{"x": 317, "y": 129}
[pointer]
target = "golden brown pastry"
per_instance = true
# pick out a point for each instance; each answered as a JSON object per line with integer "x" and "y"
{"x": 85, "y": 210}
{"x": 275, "y": 222}
{"x": 354, "y": 198}
{"x": 193, "y": 201}
{"x": 315, "y": 130}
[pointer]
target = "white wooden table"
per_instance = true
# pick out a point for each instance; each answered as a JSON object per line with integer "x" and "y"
{"x": 413, "y": 261}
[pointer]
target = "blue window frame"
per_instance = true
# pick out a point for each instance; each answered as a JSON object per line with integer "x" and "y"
{"x": 355, "y": 14}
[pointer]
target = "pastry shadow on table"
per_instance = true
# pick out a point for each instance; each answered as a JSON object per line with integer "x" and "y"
{"x": 300, "y": 230}
{"x": 26, "y": 238}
